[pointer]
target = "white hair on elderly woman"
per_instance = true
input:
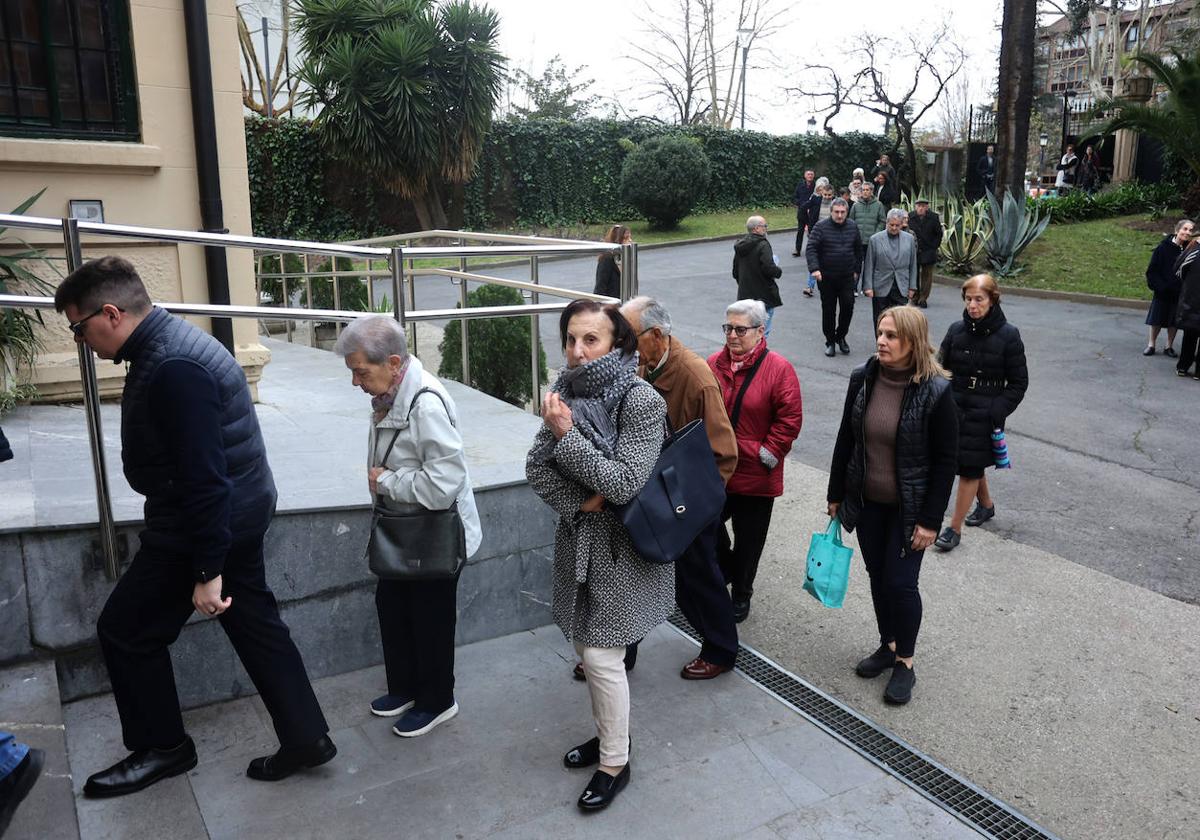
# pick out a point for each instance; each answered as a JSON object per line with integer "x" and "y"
{"x": 376, "y": 336}
{"x": 896, "y": 213}
{"x": 822, "y": 181}
{"x": 753, "y": 310}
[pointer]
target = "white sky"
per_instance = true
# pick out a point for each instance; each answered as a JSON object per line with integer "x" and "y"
{"x": 599, "y": 34}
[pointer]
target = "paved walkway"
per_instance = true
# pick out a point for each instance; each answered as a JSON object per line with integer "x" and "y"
{"x": 710, "y": 760}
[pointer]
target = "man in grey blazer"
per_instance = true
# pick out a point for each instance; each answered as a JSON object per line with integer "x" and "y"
{"x": 889, "y": 275}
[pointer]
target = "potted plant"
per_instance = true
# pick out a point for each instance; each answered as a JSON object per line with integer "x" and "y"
{"x": 19, "y": 341}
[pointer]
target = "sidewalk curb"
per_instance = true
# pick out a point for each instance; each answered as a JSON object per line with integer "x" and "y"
{"x": 1051, "y": 294}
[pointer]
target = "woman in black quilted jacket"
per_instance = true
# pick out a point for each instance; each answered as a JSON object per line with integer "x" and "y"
{"x": 986, "y": 360}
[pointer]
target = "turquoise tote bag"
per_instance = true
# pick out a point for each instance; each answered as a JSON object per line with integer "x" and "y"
{"x": 827, "y": 567}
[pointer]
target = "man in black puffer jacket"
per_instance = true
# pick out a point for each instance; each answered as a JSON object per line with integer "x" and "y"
{"x": 986, "y": 359}
{"x": 755, "y": 269}
{"x": 835, "y": 255}
{"x": 191, "y": 444}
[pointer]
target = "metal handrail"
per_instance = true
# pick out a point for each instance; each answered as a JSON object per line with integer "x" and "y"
{"x": 469, "y": 236}
{"x": 404, "y": 311}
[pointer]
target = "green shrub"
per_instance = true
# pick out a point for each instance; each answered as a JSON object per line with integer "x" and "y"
{"x": 1122, "y": 200}
{"x": 664, "y": 178}
{"x": 499, "y": 349}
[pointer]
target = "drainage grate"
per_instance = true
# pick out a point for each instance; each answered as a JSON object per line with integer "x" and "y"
{"x": 955, "y": 794}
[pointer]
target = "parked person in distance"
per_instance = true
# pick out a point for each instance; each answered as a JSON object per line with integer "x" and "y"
{"x": 416, "y": 461}
{"x": 755, "y": 268}
{"x": 762, "y": 397}
{"x": 1164, "y": 283}
{"x": 1087, "y": 173}
{"x": 1187, "y": 311}
{"x": 856, "y": 184}
{"x": 191, "y": 444}
{"x": 892, "y": 470}
{"x": 1065, "y": 177}
{"x": 835, "y": 252}
{"x": 608, "y": 268}
{"x": 986, "y": 358}
{"x": 889, "y": 276}
{"x": 986, "y": 168}
{"x": 691, "y": 392}
{"x": 601, "y": 434}
{"x": 924, "y": 224}
{"x": 868, "y": 214}
{"x": 886, "y": 190}
{"x": 804, "y": 192}
{"x": 819, "y": 207}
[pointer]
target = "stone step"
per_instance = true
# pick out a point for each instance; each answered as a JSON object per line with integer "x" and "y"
{"x": 30, "y": 708}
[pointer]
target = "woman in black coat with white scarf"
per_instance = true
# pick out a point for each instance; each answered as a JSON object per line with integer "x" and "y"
{"x": 986, "y": 358}
{"x": 1163, "y": 281}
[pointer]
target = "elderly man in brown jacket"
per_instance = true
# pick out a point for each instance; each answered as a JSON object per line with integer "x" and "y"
{"x": 691, "y": 391}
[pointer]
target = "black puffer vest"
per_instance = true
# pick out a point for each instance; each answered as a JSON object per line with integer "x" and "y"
{"x": 986, "y": 359}
{"x": 147, "y": 464}
{"x": 912, "y": 446}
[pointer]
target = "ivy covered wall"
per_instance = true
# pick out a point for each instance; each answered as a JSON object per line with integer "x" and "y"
{"x": 532, "y": 172}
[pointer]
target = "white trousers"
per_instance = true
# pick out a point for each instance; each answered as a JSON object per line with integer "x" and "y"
{"x": 608, "y": 685}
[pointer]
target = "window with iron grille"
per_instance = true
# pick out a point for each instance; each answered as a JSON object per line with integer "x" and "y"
{"x": 66, "y": 70}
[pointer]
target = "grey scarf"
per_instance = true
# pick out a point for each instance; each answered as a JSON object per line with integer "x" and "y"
{"x": 593, "y": 391}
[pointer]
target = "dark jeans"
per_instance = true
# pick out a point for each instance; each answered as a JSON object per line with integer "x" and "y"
{"x": 701, "y": 595}
{"x": 12, "y": 753}
{"x": 143, "y": 617}
{"x": 837, "y": 301}
{"x": 893, "y": 568}
{"x": 416, "y": 622}
{"x": 879, "y": 302}
{"x": 739, "y": 558}
{"x": 1188, "y": 351}
{"x": 801, "y": 223}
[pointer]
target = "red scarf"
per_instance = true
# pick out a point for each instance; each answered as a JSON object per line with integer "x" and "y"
{"x": 748, "y": 358}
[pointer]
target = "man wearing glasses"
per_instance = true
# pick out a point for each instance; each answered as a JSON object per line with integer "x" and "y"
{"x": 755, "y": 268}
{"x": 190, "y": 443}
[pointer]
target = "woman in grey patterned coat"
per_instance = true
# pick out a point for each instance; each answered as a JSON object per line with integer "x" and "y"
{"x": 602, "y": 433}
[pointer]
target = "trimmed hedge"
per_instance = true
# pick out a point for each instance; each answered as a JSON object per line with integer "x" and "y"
{"x": 663, "y": 178}
{"x": 1121, "y": 200}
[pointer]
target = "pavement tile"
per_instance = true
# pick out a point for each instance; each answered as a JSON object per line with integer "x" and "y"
{"x": 804, "y": 750}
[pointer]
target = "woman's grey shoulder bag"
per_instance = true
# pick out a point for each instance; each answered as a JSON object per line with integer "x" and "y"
{"x": 416, "y": 545}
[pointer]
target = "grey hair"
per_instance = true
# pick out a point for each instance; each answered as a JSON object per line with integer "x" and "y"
{"x": 822, "y": 182}
{"x": 868, "y": 185}
{"x": 753, "y": 222}
{"x": 378, "y": 336}
{"x": 859, "y": 171}
{"x": 650, "y": 313}
{"x": 839, "y": 202}
{"x": 896, "y": 213}
{"x": 753, "y": 309}
{"x": 1179, "y": 225}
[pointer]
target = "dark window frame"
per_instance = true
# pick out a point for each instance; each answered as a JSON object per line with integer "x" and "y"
{"x": 125, "y": 124}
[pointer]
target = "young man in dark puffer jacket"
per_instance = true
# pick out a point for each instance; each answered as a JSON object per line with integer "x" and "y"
{"x": 835, "y": 255}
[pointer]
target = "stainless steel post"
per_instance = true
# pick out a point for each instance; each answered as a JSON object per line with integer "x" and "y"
{"x": 535, "y": 377}
{"x": 464, "y": 335}
{"x": 634, "y": 283}
{"x": 396, "y": 264}
{"x": 623, "y": 288}
{"x": 412, "y": 304}
{"x": 91, "y": 409}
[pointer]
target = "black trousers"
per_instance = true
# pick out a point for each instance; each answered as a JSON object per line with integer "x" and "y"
{"x": 879, "y": 302}
{"x": 702, "y": 597}
{"x": 751, "y": 518}
{"x": 893, "y": 568}
{"x": 837, "y": 302}
{"x": 143, "y": 617}
{"x": 416, "y": 622}
{"x": 1188, "y": 350}
{"x": 801, "y": 223}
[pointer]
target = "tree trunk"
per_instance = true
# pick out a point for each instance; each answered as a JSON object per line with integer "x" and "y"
{"x": 430, "y": 212}
{"x": 1017, "y": 37}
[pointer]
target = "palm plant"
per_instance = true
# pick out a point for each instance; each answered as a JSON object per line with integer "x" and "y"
{"x": 405, "y": 88}
{"x": 1174, "y": 119}
{"x": 1014, "y": 226}
{"x": 19, "y": 340}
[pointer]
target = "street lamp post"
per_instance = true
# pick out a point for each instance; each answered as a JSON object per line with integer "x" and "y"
{"x": 812, "y": 125}
{"x": 1068, "y": 95}
{"x": 1042, "y": 141}
{"x": 744, "y": 36}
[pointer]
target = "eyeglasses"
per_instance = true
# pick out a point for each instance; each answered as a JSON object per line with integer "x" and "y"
{"x": 78, "y": 327}
{"x": 740, "y": 330}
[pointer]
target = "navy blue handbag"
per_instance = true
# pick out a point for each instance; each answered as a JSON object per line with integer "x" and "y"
{"x": 684, "y": 495}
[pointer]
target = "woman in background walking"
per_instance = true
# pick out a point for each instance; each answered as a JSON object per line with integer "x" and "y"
{"x": 608, "y": 270}
{"x": 1162, "y": 280}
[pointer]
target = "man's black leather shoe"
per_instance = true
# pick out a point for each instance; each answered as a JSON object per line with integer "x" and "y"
{"x": 741, "y": 610}
{"x": 140, "y": 769}
{"x": 603, "y": 789}
{"x": 829, "y": 351}
{"x": 16, "y": 785}
{"x": 272, "y": 768}
{"x": 844, "y": 347}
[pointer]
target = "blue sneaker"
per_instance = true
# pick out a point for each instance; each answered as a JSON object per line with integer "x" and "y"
{"x": 416, "y": 723}
{"x": 390, "y": 705}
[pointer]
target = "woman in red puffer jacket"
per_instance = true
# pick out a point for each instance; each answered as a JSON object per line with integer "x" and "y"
{"x": 766, "y": 417}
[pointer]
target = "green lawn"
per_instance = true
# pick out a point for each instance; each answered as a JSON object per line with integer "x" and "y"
{"x": 1102, "y": 257}
{"x": 710, "y": 224}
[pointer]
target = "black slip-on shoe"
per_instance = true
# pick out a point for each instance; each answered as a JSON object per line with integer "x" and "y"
{"x": 577, "y": 672}
{"x": 980, "y": 515}
{"x": 900, "y": 686}
{"x": 829, "y": 351}
{"x": 1170, "y": 353}
{"x": 603, "y": 789}
{"x": 875, "y": 664}
{"x": 844, "y": 347}
{"x": 1149, "y": 351}
{"x": 140, "y": 769}
{"x": 585, "y": 755}
{"x": 16, "y": 786}
{"x": 272, "y": 768}
{"x": 948, "y": 539}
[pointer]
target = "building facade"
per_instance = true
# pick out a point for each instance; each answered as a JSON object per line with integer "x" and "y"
{"x": 96, "y": 109}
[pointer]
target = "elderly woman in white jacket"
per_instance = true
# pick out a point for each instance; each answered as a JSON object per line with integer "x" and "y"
{"x": 425, "y": 465}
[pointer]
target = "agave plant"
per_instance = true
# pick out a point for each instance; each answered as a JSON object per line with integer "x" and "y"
{"x": 1014, "y": 226}
{"x": 966, "y": 228}
{"x": 19, "y": 341}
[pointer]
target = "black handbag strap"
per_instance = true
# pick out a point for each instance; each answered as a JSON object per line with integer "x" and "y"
{"x": 737, "y": 403}
{"x": 411, "y": 405}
